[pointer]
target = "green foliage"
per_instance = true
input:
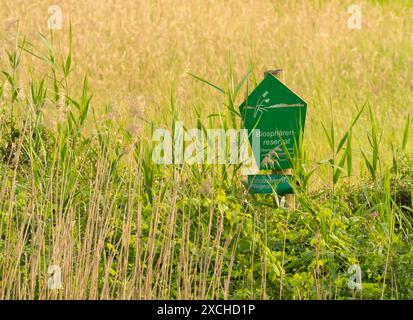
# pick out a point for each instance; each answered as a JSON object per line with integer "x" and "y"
{"x": 123, "y": 227}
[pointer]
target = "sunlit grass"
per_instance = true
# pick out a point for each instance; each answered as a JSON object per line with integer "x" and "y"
{"x": 79, "y": 190}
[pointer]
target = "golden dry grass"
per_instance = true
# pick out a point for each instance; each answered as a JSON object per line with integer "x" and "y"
{"x": 146, "y": 49}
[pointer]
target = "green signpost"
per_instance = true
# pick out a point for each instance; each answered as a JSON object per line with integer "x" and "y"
{"x": 276, "y": 115}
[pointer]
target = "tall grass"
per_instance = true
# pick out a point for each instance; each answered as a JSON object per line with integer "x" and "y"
{"x": 80, "y": 193}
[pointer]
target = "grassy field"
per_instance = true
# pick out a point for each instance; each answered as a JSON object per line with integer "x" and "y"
{"x": 86, "y": 214}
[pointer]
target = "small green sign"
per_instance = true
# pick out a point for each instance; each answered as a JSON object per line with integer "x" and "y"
{"x": 279, "y": 114}
{"x": 267, "y": 184}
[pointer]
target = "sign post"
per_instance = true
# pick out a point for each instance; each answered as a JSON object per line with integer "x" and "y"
{"x": 276, "y": 115}
{"x": 289, "y": 197}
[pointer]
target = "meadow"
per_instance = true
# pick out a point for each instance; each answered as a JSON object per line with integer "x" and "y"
{"x": 86, "y": 214}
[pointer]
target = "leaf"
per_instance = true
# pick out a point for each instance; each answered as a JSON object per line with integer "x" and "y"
{"x": 308, "y": 175}
{"x": 369, "y": 166}
{"x": 342, "y": 141}
{"x": 358, "y": 115}
{"x": 239, "y": 85}
{"x": 349, "y": 155}
{"x": 406, "y": 132}
{"x": 208, "y": 83}
{"x": 330, "y": 141}
{"x": 67, "y": 65}
{"x": 339, "y": 169}
{"x": 232, "y": 110}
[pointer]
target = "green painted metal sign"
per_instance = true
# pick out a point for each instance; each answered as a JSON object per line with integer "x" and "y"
{"x": 279, "y": 114}
{"x": 267, "y": 184}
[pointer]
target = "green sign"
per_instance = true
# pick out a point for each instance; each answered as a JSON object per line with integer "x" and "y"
{"x": 267, "y": 184}
{"x": 279, "y": 115}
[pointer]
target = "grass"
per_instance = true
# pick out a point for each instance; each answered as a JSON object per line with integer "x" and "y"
{"x": 79, "y": 192}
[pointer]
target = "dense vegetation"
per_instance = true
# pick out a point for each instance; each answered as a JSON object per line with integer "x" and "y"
{"x": 79, "y": 190}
